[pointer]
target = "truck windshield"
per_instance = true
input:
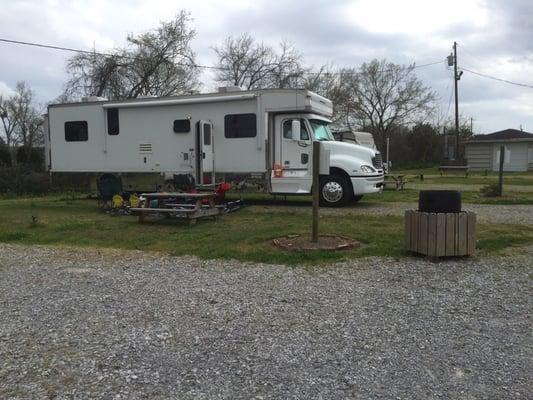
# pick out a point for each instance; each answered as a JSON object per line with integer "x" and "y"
{"x": 321, "y": 130}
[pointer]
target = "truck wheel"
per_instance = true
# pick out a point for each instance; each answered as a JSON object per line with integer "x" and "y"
{"x": 335, "y": 191}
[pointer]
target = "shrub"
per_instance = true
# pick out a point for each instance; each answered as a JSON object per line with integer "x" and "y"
{"x": 490, "y": 190}
{"x": 21, "y": 180}
{"x": 5, "y": 156}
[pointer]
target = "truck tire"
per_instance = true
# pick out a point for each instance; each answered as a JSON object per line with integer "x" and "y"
{"x": 439, "y": 201}
{"x": 335, "y": 191}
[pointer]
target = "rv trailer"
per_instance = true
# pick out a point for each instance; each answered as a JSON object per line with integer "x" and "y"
{"x": 260, "y": 136}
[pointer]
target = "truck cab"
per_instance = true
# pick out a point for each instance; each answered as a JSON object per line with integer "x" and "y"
{"x": 354, "y": 170}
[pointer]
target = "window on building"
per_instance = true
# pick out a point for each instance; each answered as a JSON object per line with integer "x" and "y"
{"x": 237, "y": 126}
{"x": 112, "y": 121}
{"x": 207, "y": 135}
{"x": 287, "y": 130}
{"x": 76, "y": 131}
{"x": 182, "y": 125}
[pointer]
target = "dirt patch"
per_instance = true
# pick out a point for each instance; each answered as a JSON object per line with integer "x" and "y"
{"x": 325, "y": 242}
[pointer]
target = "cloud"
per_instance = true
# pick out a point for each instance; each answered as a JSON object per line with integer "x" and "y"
{"x": 5, "y": 91}
{"x": 494, "y": 37}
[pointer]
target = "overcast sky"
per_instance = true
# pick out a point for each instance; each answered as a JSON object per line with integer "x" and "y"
{"x": 495, "y": 37}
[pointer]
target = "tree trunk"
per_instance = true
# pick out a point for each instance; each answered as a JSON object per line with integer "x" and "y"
{"x": 13, "y": 153}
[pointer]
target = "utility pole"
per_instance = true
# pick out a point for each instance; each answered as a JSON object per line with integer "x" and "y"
{"x": 456, "y": 79}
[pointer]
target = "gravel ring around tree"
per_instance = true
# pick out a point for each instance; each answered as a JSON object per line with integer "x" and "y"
{"x": 486, "y": 213}
{"x": 85, "y": 324}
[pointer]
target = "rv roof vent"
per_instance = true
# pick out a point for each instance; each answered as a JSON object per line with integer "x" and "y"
{"x": 88, "y": 99}
{"x": 228, "y": 89}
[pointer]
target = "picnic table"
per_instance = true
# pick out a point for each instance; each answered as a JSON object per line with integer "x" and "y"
{"x": 190, "y": 206}
{"x": 398, "y": 180}
{"x": 461, "y": 168}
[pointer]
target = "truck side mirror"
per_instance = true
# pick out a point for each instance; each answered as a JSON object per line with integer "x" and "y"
{"x": 295, "y": 129}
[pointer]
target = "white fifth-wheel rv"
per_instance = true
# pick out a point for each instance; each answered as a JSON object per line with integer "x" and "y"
{"x": 261, "y": 137}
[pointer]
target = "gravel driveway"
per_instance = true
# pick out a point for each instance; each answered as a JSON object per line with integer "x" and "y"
{"x": 112, "y": 324}
{"x": 506, "y": 214}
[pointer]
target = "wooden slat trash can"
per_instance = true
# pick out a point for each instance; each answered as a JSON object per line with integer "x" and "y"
{"x": 440, "y": 234}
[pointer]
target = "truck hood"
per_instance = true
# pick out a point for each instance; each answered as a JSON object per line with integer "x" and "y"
{"x": 350, "y": 149}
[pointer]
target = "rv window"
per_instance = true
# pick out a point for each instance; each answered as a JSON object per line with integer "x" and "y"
{"x": 207, "y": 135}
{"x": 238, "y": 126}
{"x": 76, "y": 131}
{"x": 112, "y": 121}
{"x": 182, "y": 125}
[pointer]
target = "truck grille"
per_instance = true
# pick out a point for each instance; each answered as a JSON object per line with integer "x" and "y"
{"x": 377, "y": 161}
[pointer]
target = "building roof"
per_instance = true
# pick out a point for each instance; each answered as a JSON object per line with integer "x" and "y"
{"x": 506, "y": 134}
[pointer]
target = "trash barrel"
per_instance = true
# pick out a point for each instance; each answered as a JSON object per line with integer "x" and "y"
{"x": 439, "y": 228}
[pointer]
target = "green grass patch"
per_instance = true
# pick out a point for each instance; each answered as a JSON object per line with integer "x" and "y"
{"x": 387, "y": 196}
{"x": 244, "y": 235}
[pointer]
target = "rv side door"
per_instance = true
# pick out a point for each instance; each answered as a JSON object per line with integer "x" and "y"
{"x": 205, "y": 157}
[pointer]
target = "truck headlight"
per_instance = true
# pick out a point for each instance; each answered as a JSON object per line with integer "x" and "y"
{"x": 368, "y": 169}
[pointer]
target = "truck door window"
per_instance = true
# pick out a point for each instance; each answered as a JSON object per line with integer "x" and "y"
{"x": 287, "y": 130}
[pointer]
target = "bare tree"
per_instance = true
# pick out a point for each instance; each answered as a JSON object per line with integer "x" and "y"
{"x": 383, "y": 95}
{"x": 8, "y": 115}
{"x": 246, "y": 63}
{"x": 22, "y": 121}
{"x": 158, "y": 63}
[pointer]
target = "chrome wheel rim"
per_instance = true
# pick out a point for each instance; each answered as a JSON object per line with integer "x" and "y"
{"x": 332, "y": 192}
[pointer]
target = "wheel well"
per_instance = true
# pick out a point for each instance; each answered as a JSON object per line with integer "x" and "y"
{"x": 344, "y": 174}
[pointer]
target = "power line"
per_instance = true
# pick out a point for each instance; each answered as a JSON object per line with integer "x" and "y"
{"x": 62, "y": 48}
{"x": 47, "y": 46}
{"x": 53, "y": 47}
{"x": 497, "y": 79}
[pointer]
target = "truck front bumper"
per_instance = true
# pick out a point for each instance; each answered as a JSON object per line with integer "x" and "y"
{"x": 367, "y": 184}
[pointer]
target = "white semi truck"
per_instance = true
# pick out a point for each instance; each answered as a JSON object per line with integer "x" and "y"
{"x": 261, "y": 137}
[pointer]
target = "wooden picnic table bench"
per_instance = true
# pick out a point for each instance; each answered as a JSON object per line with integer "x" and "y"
{"x": 201, "y": 205}
{"x": 461, "y": 168}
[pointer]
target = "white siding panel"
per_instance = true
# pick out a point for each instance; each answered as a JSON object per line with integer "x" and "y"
{"x": 478, "y": 156}
{"x": 515, "y": 159}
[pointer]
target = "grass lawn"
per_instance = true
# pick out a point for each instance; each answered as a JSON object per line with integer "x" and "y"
{"x": 243, "y": 235}
{"x": 393, "y": 196}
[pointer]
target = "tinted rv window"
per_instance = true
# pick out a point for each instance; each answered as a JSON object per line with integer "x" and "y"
{"x": 182, "y": 125}
{"x": 76, "y": 131}
{"x": 207, "y": 135}
{"x": 112, "y": 121}
{"x": 240, "y": 126}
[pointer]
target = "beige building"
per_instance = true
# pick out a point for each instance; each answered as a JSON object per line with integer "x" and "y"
{"x": 483, "y": 151}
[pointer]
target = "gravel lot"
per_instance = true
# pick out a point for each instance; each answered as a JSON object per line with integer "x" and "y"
{"x": 113, "y": 324}
{"x": 507, "y": 214}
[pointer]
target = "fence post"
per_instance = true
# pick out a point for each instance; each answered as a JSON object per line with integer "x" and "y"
{"x": 500, "y": 173}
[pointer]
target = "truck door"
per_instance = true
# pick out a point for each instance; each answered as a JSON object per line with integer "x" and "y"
{"x": 205, "y": 157}
{"x": 293, "y": 154}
